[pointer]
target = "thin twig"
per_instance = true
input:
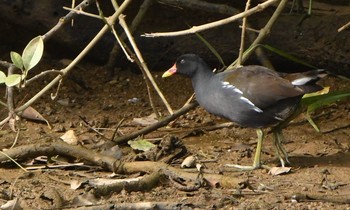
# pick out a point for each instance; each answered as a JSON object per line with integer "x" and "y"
{"x": 66, "y": 19}
{"x": 264, "y": 31}
{"x": 121, "y": 45}
{"x": 149, "y": 92}
{"x": 134, "y": 24}
{"x": 90, "y": 127}
{"x": 261, "y": 56}
{"x": 55, "y": 94}
{"x": 117, "y": 128}
{"x": 250, "y": 29}
{"x": 10, "y": 99}
{"x": 157, "y": 125}
{"x": 207, "y": 26}
{"x": 138, "y": 61}
{"x": 115, "y": 5}
{"x": 144, "y": 66}
{"x": 44, "y": 73}
{"x": 10, "y": 102}
{"x": 4, "y": 121}
{"x": 344, "y": 27}
{"x": 3, "y": 104}
{"x": 111, "y": 27}
{"x": 244, "y": 23}
{"x": 72, "y": 6}
{"x": 9, "y": 157}
{"x": 81, "y": 12}
{"x": 77, "y": 59}
{"x": 16, "y": 138}
{"x": 221, "y": 9}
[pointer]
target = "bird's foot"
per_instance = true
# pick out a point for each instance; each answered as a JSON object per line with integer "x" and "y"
{"x": 284, "y": 161}
{"x": 281, "y": 154}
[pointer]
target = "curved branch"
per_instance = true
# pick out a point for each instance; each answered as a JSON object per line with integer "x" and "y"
{"x": 66, "y": 19}
{"x": 264, "y": 31}
{"x": 112, "y": 164}
{"x": 196, "y": 29}
{"x": 157, "y": 125}
{"x": 82, "y": 54}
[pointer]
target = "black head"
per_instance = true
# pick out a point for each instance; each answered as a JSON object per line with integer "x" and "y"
{"x": 188, "y": 65}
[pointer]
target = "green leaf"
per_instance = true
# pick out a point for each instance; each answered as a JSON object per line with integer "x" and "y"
{"x": 16, "y": 59}
{"x": 2, "y": 77}
{"x": 211, "y": 48}
{"x": 278, "y": 52}
{"x": 315, "y": 102}
{"x": 141, "y": 144}
{"x": 33, "y": 53}
{"x": 311, "y": 121}
{"x": 286, "y": 55}
{"x": 13, "y": 79}
{"x": 330, "y": 98}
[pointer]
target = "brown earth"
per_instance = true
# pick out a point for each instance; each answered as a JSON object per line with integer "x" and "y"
{"x": 320, "y": 160}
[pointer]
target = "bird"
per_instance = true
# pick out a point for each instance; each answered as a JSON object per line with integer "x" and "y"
{"x": 251, "y": 96}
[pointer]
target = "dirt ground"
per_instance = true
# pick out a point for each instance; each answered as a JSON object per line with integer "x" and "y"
{"x": 319, "y": 179}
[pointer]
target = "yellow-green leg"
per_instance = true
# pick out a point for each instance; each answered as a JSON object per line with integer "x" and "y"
{"x": 279, "y": 137}
{"x": 257, "y": 157}
{"x": 278, "y": 143}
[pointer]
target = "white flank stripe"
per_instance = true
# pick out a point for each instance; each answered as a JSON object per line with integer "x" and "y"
{"x": 227, "y": 85}
{"x": 278, "y": 118}
{"x": 251, "y": 103}
{"x": 301, "y": 81}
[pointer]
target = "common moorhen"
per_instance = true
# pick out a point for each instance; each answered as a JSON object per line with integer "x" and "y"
{"x": 251, "y": 96}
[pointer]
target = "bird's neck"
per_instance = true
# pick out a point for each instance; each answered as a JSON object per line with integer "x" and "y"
{"x": 201, "y": 78}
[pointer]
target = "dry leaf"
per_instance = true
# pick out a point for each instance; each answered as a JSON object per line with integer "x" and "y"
{"x": 189, "y": 162}
{"x": 144, "y": 121}
{"x": 70, "y": 138}
{"x": 75, "y": 184}
{"x": 11, "y": 205}
{"x": 279, "y": 170}
{"x": 12, "y": 124}
{"x": 31, "y": 114}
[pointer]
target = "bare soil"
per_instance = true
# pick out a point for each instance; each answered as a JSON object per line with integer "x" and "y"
{"x": 320, "y": 161}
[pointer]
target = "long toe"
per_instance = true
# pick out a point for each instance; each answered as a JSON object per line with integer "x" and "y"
{"x": 280, "y": 150}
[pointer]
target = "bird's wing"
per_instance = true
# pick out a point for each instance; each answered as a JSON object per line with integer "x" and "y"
{"x": 261, "y": 86}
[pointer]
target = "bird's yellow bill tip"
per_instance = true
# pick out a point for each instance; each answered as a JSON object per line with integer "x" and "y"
{"x": 170, "y": 71}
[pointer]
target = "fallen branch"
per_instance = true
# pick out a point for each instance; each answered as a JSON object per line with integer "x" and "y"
{"x": 344, "y": 199}
{"x": 155, "y": 126}
{"x": 143, "y": 205}
{"x": 58, "y": 148}
{"x": 149, "y": 166}
{"x": 112, "y": 164}
{"x": 140, "y": 184}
